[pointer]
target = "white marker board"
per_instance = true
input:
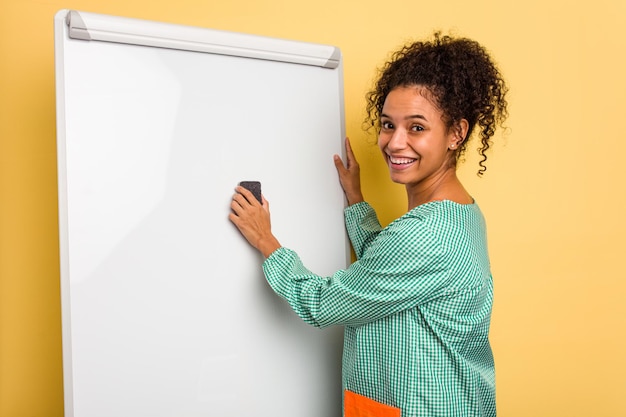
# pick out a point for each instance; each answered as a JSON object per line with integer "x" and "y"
{"x": 165, "y": 308}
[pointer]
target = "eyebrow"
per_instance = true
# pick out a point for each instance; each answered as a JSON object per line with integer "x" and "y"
{"x": 412, "y": 116}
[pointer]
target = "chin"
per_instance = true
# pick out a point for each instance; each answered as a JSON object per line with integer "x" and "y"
{"x": 398, "y": 179}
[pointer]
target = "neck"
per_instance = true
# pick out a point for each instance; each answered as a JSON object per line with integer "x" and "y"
{"x": 445, "y": 186}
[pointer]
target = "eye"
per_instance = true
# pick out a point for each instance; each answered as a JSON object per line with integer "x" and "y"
{"x": 386, "y": 125}
{"x": 417, "y": 128}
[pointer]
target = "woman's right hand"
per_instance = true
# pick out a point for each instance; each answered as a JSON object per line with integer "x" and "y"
{"x": 253, "y": 221}
{"x": 349, "y": 175}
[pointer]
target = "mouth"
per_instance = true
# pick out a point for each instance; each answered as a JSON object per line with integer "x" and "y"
{"x": 400, "y": 162}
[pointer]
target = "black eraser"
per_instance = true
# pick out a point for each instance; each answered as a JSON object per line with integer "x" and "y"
{"x": 254, "y": 187}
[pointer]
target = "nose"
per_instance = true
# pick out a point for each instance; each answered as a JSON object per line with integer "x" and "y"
{"x": 398, "y": 140}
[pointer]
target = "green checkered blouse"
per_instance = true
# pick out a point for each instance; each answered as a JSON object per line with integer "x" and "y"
{"x": 416, "y": 307}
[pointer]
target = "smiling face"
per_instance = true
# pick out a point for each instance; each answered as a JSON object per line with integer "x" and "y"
{"x": 416, "y": 143}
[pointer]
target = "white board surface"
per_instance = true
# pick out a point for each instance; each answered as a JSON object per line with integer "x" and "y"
{"x": 165, "y": 308}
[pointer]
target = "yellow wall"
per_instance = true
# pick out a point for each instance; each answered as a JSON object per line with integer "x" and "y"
{"x": 554, "y": 193}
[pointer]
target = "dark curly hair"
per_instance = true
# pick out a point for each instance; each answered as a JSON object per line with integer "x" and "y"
{"x": 460, "y": 78}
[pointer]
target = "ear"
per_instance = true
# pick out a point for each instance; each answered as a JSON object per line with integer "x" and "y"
{"x": 458, "y": 134}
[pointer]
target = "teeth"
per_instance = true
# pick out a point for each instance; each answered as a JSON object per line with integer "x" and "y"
{"x": 400, "y": 160}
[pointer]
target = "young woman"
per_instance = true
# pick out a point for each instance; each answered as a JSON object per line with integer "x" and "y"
{"x": 416, "y": 304}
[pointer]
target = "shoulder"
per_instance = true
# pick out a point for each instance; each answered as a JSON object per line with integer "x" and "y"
{"x": 444, "y": 213}
{"x": 441, "y": 210}
{"x": 447, "y": 223}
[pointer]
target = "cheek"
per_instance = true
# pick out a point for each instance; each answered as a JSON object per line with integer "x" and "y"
{"x": 382, "y": 142}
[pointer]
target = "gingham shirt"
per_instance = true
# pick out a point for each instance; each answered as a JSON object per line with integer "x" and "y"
{"x": 416, "y": 307}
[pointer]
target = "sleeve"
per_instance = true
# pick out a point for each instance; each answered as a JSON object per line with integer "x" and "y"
{"x": 403, "y": 267}
{"x": 362, "y": 226}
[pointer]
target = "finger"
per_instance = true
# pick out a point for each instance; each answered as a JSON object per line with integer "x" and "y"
{"x": 351, "y": 159}
{"x": 240, "y": 203}
{"x": 233, "y": 218}
{"x": 247, "y": 195}
{"x": 235, "y": 205}
{"x": 339, "y": 164}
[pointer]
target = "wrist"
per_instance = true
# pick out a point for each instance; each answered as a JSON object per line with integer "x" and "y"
{"x": 268, "y": 245}
{"x": 354, "y": 199}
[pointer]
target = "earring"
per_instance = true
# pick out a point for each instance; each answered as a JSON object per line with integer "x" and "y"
{"x": 453, "y": 146}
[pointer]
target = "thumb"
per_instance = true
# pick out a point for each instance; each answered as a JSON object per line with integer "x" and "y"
{"x": 339, "y": 164}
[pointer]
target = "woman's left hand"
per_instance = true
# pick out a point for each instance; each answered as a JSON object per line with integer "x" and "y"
{"x": 253, "y": 221}
{"x": 349, "y": 175}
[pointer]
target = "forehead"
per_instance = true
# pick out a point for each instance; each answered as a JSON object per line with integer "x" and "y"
{"x": 411, "y": 100}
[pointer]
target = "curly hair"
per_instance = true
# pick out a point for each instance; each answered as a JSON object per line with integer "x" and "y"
{"x": 459, "y": 76}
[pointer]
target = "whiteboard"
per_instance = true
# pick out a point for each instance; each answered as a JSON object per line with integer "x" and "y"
{"x": 165, "y": 309}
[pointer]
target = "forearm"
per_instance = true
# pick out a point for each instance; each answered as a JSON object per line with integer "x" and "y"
{"x": 291, "y": 280}
{"x": 267, "y": 245}
{"x": 354, "y": 197}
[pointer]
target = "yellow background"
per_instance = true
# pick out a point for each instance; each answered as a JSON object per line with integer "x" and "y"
{"x": 554, "y": 193}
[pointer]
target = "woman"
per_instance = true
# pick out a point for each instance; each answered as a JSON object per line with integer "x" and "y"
{"x": 416, "y": 304}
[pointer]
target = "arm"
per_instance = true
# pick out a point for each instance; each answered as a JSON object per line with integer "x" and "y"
{"x": 403, "y": 269}
{"x": 361, "y": 221}
{"x": 362, "y": 226}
